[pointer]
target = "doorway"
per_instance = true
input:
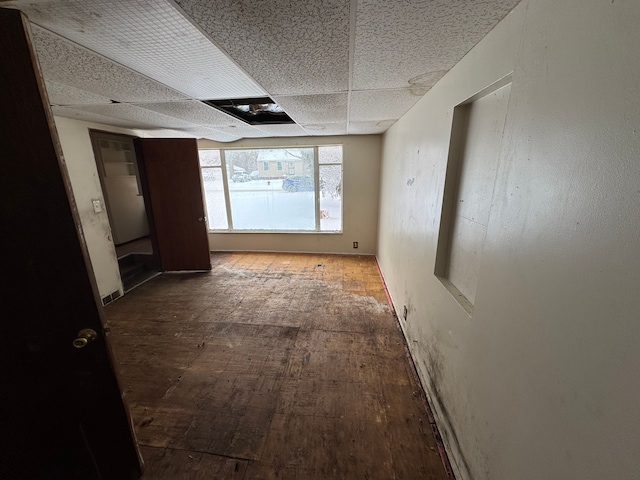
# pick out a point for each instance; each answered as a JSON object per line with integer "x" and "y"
{"x": 117, "y": 164}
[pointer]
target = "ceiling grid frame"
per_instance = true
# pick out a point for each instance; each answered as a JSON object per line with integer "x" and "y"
{"x": 353, "y": 19}
{"x": 337, "y": 66}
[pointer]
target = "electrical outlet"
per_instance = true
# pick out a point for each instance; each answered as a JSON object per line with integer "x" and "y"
{"x": 355, "y": 244}
{"x": 97, "y": 206}
{"x": 404, "y": 312}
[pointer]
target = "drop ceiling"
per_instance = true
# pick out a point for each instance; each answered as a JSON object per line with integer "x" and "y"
{"x": 336, "y": 67}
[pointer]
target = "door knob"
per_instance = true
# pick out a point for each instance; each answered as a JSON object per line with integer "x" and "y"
{"x": 85, "y": 336}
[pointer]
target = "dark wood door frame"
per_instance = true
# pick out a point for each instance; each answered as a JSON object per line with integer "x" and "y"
{"x": 62, "y": 413}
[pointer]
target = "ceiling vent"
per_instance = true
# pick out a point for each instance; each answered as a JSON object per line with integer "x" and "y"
{"x": 254, "y": 111}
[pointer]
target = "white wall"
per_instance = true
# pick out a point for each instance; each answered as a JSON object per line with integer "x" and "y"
{"x": 81, "y": 164}
{"x": 541, "y": 382}
{"x": 361, "y": 179}
{"x": 361, "y": 170}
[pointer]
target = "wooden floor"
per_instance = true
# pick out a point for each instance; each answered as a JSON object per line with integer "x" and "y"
{"x": 272, "y": 366}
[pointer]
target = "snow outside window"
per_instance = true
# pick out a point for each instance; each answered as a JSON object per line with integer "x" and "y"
{"x": 305, "y": 196}
{"x": 211, "y": 166}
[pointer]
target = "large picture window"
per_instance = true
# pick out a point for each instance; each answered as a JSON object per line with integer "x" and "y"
{"x": 248, "y": 190}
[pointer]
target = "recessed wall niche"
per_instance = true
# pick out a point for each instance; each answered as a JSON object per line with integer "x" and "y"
{"x": 474, "y": 150}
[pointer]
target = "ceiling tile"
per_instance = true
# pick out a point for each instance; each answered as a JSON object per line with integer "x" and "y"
{"x": 326, "y": 128}
{"x": 380, "y": 104}
{"x": 417, "y": 41}
{"x": 195, "y": 112}
{"x": 76, "y": 114}
{"x": 151, "y": 37}
{"x": 212, "y": 134}
{"x": 290, "y": 47}
{"x": 282, "y": 130}
{"x": 369, "y": 128}
{"x": 64, "y": 62}
{"x": 311, "y": 109}
{"x": 168, "y": 133}
{"x": 245, "y": 130}
{"x": 299, "y": 52}
{"x": 60, "y": 94}
{"x": 136, "y": 114}
{"x": 198, "y": 113}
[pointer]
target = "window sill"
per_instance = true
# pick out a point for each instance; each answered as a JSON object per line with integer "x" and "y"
{"x": 284, "y": 232}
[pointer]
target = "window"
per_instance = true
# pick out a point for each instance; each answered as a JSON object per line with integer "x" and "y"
{"x": 211, "y": 166}
{"x": 243, "y": 198}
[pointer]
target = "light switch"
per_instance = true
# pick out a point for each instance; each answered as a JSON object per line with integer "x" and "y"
{"x": 97, "y": 206}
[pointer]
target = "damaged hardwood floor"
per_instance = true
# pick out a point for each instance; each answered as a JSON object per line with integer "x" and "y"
{"x": 287, "y": 366}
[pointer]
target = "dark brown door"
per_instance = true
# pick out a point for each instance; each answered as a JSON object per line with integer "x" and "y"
{"x": 172, "y": 185}
{"x": 61, "y": 410}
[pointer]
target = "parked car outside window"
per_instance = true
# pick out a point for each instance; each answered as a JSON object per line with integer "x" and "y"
{"x": 240, "y": 177}
{"x": 298, "y": 183}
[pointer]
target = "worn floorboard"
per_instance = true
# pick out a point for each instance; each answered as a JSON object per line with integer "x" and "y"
{"x": 272, "y": 366}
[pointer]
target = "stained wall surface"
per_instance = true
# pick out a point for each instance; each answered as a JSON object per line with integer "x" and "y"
{"x": 540, "y": 381}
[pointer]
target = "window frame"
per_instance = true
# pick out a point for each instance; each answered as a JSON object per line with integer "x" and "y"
{"x": 317, "y": 193}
